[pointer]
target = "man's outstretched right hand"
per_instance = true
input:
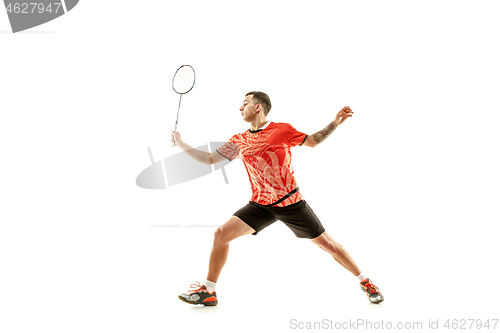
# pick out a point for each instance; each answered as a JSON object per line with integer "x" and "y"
{"x": 176, "y": 138}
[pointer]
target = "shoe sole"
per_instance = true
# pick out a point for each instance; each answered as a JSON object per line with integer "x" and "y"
{"x": 206, "y": 304}
{"x": 377, "y": 302}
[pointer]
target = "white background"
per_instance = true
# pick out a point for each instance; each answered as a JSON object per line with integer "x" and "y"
{"x": 409, "y": 185}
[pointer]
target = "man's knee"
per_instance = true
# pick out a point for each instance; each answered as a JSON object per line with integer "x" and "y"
{"x": 220, "y": 237}
{"x": 327, "y": 244}
{"x": 333, "y": 247}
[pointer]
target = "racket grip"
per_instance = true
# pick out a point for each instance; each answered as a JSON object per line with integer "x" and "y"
{"x": 175, "y": 130}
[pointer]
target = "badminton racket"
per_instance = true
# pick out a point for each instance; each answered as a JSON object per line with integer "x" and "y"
{"x": 182, "y": 83}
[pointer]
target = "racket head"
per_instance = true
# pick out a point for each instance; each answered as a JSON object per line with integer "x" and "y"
{"x": 184, "y": 79}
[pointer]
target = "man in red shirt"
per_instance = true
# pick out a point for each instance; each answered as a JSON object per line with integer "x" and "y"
{"x": 265, "y": 152}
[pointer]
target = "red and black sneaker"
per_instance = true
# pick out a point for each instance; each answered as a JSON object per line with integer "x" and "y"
{"x": 374, "y": 295}
{"x": 199, "y": 295}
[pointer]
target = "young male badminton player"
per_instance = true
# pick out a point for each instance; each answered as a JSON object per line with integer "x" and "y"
{"x": 265, "y": 152}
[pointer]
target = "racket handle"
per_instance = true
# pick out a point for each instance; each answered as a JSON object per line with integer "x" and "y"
{"x": 175, "y": 130}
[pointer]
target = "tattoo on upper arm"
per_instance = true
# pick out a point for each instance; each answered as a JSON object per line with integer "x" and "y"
{"x": 320, "y": 136}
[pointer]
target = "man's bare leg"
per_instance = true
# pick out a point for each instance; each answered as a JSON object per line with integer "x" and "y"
{"x": 337, "y": 251}
{"x": 230, "y": 230}
{"x": 205, "y": 294}
{"x": 326, "y": 242}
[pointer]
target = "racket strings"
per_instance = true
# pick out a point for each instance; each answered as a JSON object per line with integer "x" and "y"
{"x": 184, "y": 79}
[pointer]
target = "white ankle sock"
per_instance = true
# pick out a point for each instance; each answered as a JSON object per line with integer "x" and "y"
{"x": 210, "y": 286}
{"x": 360, "y": 277}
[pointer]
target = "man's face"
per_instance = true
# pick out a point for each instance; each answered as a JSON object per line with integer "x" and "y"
{"x": 248, "y": 108}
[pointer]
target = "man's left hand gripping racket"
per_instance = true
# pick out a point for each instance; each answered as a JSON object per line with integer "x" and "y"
{"x": 182, "y": 83}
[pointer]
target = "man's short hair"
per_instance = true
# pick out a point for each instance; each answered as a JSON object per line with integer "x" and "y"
{"x": 261, "y": 98}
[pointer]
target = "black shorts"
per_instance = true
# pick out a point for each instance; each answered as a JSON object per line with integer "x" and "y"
{"x": 298, "y": 216}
